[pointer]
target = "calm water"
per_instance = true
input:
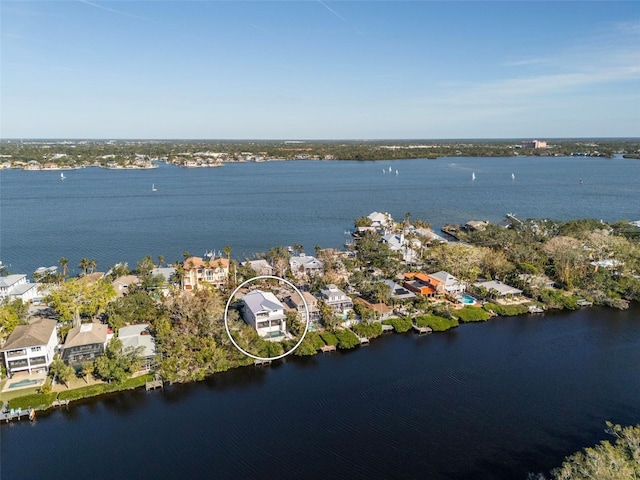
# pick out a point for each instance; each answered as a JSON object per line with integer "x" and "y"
{"x": 486, "y": 401}
{"x": 114, "y": 216}
{"x": 489, "y": 401}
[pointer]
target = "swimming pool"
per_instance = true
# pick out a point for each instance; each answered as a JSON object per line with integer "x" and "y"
{"x": 466, "y": 299}
{"x": 26, "y": 383}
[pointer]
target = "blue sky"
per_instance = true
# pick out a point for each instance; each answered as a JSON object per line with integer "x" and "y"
{"x": 319, "y": 69}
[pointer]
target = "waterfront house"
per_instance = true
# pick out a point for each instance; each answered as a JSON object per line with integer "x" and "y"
{"x": 398, "y": 243}
{"x": 85, "y": 342}
{"x": 27, "y": 292}
{"x": 261, "y": 267}
{"x": 381, "y": 310}
{"x": 167, "y": 274}
{"x": 446, "y": 283}
{"x": 134, "y": 337}
{"x": 421, "y": 284}
{"x": 294, "y": 301}
{"x": 122, "y": 284}
{"x": 497, "y": 289}
{"x": 339, "y": 301}
{"x": 9, "y": 283}
{"x": 30, "y": 348}
{"x": 476, "y": 225}
{"x": 305, "y": 264}
{"x": 381, "y": 221}
{"x": 398, "y": 292}
{"x": 197, "y": 272}
{"x": 264, "y": 312}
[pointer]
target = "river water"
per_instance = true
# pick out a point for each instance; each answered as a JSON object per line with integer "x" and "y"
{"x": 113, "y": 216}
{"x": 483, "y": 401}
{"x": 487, "y": 401}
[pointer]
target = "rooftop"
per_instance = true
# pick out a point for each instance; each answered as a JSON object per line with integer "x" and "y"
{"x": 37, "y": 333}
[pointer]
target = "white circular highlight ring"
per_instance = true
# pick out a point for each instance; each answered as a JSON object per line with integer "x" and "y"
{"x": 261, "y": 277}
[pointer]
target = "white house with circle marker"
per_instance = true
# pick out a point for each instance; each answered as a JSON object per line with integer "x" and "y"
{"x": 264, "y": 312}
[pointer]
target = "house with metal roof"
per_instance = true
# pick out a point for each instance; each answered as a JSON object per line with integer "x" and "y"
{"x": 498, "y": 289}
{"x": 138, "y": 337}
{"x": 305, "y": 264}
{"x": 264, "y": 312}
{"x": 30, "y": 348}
{"x": 447, "y": 283}
{"x": 339, "y": 301}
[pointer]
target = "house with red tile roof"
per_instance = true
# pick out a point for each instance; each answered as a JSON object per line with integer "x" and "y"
{"x": 198, "y": 272}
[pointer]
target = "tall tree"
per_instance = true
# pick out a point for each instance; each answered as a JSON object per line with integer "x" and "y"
{"x": 64, "y": 264}
{"x": 84, "y": 265}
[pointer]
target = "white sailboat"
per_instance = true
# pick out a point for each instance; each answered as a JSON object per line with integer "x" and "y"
{"x": 513, "y": 176}
{"x": 473, "y": 176}
{"x": 153, "y": 187}
{"x": 389, "y": 169}
{"x": 396, "y": 172}
{"x": 62, "y": 177}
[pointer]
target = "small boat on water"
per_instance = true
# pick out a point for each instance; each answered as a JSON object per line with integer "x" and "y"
{"x": 513, "y": 176}
{"x": 32, "y": 415}
{"x": 153, "y": 187}
{"x": 62, "y": 177}
{"x": 473, "y": 176}
{"x": 396, "y": 172}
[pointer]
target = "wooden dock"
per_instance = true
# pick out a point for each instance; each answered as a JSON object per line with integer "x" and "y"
{"x": 421, "y": 330}
{"x": 16, "y": 414}
{"x": 262, "y": 363}
{"x": 60, "y": 403}
{"x": 584, "y": 303}
{"x": 153, "y": 384}
{"x": 328, "y": 348}
{"x": 387, "y": 328}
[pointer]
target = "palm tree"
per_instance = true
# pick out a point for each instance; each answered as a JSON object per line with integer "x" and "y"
{"x": 84, "y": 265}
{"x": 298, "y": 248}
{"x": 93, "y": 263}
{"x": 63, "y": 263}
{"x": 160, "y": 260}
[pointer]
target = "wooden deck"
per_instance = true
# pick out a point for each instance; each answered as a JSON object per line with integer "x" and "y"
{"x": 421, "y": 330}
{"x": 18, "y": 414}
{"x": 262, "y": 363}
{"x": 153, "y": 384}
{"x": 328, "y": 348}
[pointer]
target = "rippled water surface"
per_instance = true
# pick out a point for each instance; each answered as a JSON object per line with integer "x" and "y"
{"x": 487, "y": 401}
{"x": 113, "y": 216}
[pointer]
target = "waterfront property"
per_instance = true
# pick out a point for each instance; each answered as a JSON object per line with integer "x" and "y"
{"x": 339, "y": 301}
{"x": 12, "y": 286}
{"x": 264, "y": 312}
{"x": 497, "y": 289}
{"x": 134, "y": 337}
{"x": 305, "y": 264}
{"x": 381, "y": 310}
{"x": 30, "y": 348}
{"x": 261, "y": 267}
{"x": 398, "y": 292}
{"x": 446, "y": 284}
{"x": 420, "y": 284}
{"x": 294, "y": 301}
{"x": 85, "y": 342}
{"x": 398, "y": 243}
{"x": 122, "y": 284}
{"x": 214, "y": 271}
